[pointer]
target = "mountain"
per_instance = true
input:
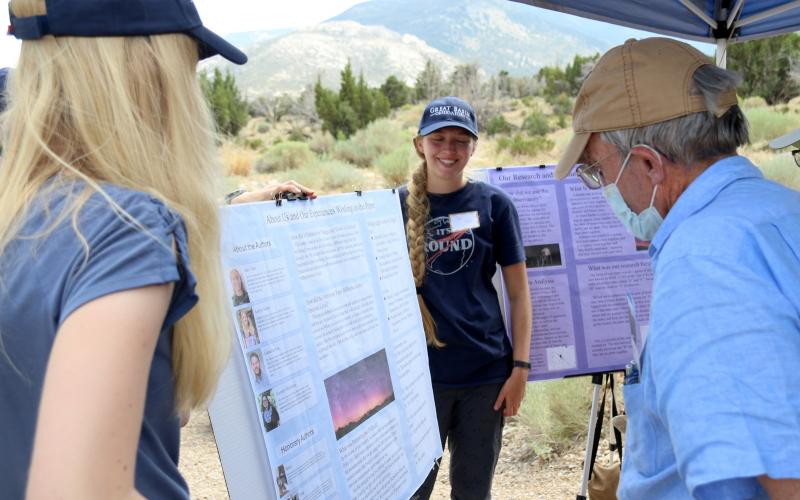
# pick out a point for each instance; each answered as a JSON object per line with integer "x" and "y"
{"x": 496, "y": 34}
{"x": 287, "y": 63}
{"x": 385, "y": 37}
{"x": 246, "y": 39}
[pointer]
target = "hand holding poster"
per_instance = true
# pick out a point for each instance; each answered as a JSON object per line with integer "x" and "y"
{"x": 581, "y": 261}
{"x": 328, "y": 391}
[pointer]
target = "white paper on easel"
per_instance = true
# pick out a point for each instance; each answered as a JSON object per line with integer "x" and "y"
{"x": 328, "y": 392}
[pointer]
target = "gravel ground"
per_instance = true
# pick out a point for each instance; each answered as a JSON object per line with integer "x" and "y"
{"x": 517, "y": 477}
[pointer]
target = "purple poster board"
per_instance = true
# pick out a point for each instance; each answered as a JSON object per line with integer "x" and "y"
{"x": 581, "y": 261}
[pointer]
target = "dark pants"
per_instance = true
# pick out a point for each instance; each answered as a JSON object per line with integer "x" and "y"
{"x": 473, "y": 432}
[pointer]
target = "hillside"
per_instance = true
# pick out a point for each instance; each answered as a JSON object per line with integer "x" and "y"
{"x": 384, "y": 37}
{"x": 287, "y": 63}
{"x": 496, "y": 34}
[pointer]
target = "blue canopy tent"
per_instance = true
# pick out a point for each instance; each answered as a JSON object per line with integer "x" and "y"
{"x": 713, "y": 21}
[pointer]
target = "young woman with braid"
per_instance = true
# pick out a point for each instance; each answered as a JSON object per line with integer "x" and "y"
{"x": 458, "y": 231}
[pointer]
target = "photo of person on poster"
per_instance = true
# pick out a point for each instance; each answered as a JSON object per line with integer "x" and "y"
{"x": 247, "y": 324}
{"x": 269, "y": 412}
{"x": 256, "y": 369}
{"x": 282, "y": 481}
{"x": 240, "y": 295}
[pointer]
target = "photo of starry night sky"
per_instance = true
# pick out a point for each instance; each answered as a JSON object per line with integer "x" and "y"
{"x": 358, "y": 392}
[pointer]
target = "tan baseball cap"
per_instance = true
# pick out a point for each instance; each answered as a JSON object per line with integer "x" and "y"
{"x": 790, "y": 139}
{"x": 639, "y": 83}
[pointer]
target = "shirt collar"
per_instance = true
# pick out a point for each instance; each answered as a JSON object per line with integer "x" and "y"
{"x": 700, "y": 193}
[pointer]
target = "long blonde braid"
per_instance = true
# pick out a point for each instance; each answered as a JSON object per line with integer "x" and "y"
{"x": 419, "y": 209}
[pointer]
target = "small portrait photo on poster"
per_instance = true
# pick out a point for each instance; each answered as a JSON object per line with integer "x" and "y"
{"x": 269, "y": 410}
{"x": 257, "y": 371}
{"x": 239, "y": 288}
{"x": 247, "y": 325}
{"x": 542, "y": 255}
{"x": 282, "y": 481}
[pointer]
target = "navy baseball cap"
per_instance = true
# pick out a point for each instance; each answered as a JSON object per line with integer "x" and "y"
{"x": 124, "y": 18}
{"x": 448, "y": 112}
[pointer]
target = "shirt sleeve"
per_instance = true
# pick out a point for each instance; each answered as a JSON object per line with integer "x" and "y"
{"x": 123, "y": 255}
{"x": 507, "y": 234}
{"x": 725, "y": 372}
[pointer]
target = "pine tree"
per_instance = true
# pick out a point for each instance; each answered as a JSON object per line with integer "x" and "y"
{"x": 767, "y": 67}
{"x": 229, "y": 109}
{"x": 396, "y": 92}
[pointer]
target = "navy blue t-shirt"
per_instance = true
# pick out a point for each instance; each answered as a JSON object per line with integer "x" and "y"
{"x": 458, "y": 287}
{"x": 45, "y": 279}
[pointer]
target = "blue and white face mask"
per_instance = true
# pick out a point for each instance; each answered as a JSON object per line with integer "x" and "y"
{"x": 644, "y": 225}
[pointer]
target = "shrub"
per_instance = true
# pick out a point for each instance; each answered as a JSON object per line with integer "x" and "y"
{"x": 284, "y": 156}
{"x": 254, "y": 144}
{"x": 394, "y": 166}
{"x": 536, "y": 123}
{"x": 562, "y": 104}
{"x": 297, "y": 134}
{"x": 365, "y": 146}
{"x": 327, "y": 175}
{"x": 322, "y": 143}
{"x": 262, "y": 128}
{"x": 518, "y": 145}
{"x": 498, "y": 125}
{"x": 236, "y": 161}
{"x": 767, "y": 124}
{"x": 555, "y": 413}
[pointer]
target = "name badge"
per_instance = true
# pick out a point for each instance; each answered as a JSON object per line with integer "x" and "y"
{"x": 464, "y": 220}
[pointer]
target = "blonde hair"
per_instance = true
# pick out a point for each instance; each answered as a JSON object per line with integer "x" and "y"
{"x": 126, "y": 111}
{"x": 419, "y": 208}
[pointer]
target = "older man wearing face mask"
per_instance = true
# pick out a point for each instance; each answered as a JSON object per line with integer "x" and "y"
{"x": 714, "y": 401}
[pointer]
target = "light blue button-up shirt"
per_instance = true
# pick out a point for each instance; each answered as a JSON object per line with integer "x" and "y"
{"x": 719, "y": 399}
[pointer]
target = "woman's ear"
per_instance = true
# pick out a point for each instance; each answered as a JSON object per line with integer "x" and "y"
{"x": 418, "y": 147}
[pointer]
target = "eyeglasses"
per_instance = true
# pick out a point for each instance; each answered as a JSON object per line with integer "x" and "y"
{"x": 591, "y": 175}
{"x": 796, "y": 154}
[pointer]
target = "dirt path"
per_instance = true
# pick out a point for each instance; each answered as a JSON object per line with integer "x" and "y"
{"x": 516, "y": 478}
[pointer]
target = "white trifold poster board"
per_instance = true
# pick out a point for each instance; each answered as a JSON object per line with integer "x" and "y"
{"x": 327, "y": 393}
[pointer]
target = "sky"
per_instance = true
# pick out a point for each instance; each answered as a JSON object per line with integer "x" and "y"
{"x": 230, "y": 16}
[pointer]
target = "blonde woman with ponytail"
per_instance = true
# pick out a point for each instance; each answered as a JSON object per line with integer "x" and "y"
{"x": 108, "y": 240}
{"x": 458, "y": 231}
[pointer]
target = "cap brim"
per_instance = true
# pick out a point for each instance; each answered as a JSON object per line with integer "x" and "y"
{"x": 792, "y": 137}
{"x": 439, "y": 125}
{"x": 572, "y": 154}
{"x": 212, "y": 44}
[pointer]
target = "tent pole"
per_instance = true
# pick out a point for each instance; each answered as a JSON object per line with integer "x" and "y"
{"x": 722, "y": 53}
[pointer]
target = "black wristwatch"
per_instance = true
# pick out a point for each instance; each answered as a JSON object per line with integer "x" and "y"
{"x": 522, "y": 364}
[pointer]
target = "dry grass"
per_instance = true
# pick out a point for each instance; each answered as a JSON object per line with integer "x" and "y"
{"x": 237, "y": 161}
{"x": 555, "y": 413}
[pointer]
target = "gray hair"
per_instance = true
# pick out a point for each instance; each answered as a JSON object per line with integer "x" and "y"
{"x": 698, "y": 136}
